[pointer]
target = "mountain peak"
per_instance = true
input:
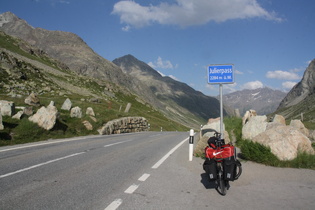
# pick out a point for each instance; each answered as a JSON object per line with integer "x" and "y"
{"x": 7, "y": 17}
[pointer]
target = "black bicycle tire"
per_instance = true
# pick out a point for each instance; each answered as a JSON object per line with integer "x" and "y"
{"x": 238, "y": 169}
{"x": 221, "y": 187}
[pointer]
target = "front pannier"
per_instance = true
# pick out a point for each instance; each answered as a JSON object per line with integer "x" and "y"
{"x": 210, "y": 167}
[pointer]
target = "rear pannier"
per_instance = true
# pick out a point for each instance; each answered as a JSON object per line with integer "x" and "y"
{"x": 232, "y": 169}
{"x": 210, "y": 167}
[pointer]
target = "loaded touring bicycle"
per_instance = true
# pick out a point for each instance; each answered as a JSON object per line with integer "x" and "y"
{"x": 221, "y": 164}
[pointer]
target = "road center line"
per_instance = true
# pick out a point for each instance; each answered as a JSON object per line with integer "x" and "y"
{"x": 144, "y": 177}
{"x": 157, "y": 164}
{"x": 41, "y": 164}
{"x": 131, "y": 189}
{"x": 108, "y": 145}
{"x": 114, "y": 205}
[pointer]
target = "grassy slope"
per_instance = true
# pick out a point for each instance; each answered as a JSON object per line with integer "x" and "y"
{"x": 108, "y": 108}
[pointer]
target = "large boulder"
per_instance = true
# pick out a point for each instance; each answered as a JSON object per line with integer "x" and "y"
{"x": 76, "y": 112}
{"x": 206, "y": 132}
{"x": 255, "y": 126}
{"x": 32, "y": 100}
{"x": 212, "y": 126}
{"x": 312, "y": 135}
{"x": 284, "y": 141}
{"x": 279, "y": 119}
{"x": 87, "y": 125}
{"x": 297, "y": 124}
{"x": 248, "y": 114}
{"x": 67, "y": 104}
{"x": 7, "y": 108}
{"x": 45, "y": 117}
{"x": 18, "y": 115}
{"x": 90, "y": 111}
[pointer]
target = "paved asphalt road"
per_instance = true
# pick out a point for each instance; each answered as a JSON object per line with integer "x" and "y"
{"x": 147, "y": 170}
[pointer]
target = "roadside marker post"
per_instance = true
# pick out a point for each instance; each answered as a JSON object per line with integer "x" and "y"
{"x": 191, "y": 144}
{"x": 221, "y": 74}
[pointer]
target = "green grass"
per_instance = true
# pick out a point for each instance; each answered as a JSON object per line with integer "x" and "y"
{"x": 261, "y": 154}
{"x": 24, "y": 131}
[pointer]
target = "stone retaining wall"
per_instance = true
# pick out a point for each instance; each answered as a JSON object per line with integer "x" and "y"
{"x": 124, "y": 125}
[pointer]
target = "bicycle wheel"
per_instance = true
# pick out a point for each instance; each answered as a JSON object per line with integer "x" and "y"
{"x": 221, "y": 184}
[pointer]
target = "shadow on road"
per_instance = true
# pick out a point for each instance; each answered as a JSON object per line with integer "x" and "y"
{"x": 207, "y": 183}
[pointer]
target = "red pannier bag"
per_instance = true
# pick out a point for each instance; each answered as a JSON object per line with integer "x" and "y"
{"x": 226, "y": 151}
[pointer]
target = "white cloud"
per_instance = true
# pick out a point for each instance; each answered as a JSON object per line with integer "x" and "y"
{"x": 160, "y": 63}
{"x": 126, "y": 28}
{"x": 238, "y": 72}
{"x": 285, "y": 75}
{"x": 186, "y": 13}
{"x": 288, "y": 85}
{"x": 229, "y": 88}
{"x": 253, "y": 85}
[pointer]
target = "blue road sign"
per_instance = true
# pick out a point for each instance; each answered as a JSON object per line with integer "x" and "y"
{"x": 221, "y": 74}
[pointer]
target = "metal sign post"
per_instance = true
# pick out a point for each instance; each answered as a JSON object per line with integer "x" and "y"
{"x": 221, "y": 74}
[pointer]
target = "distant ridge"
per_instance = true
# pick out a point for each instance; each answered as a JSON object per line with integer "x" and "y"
{"x": 177, "y": 97}
{"x": 263, "y": 100}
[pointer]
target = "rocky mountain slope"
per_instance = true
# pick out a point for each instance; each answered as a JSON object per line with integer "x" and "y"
{"x": 25, "y": 69}
{"x": 176, "y": 97}
{"x": 299, "y": 103}
{"x": 176, "y": 100}
{"x": 263, "y": 100}
{"x": 303, "y": 90}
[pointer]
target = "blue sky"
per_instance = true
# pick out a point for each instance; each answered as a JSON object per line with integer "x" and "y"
{"x": 270, "y": 42}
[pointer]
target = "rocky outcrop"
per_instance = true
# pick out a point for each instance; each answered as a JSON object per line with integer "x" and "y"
{"x": 124, "y": 125}
{"x": 284, "y": 141}
{"x": 45, "y": 117}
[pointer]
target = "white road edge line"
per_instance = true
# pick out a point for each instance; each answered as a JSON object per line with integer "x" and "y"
{"x": 157, "y": 164}
{"x": 114, "y": 205}
{"x": 108, "y": 145}
{"x": 44, "y": 143}
{"x": 131, "y": 189}
{"x": 38, "y": 165}
{"x": 144, "y": 177}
